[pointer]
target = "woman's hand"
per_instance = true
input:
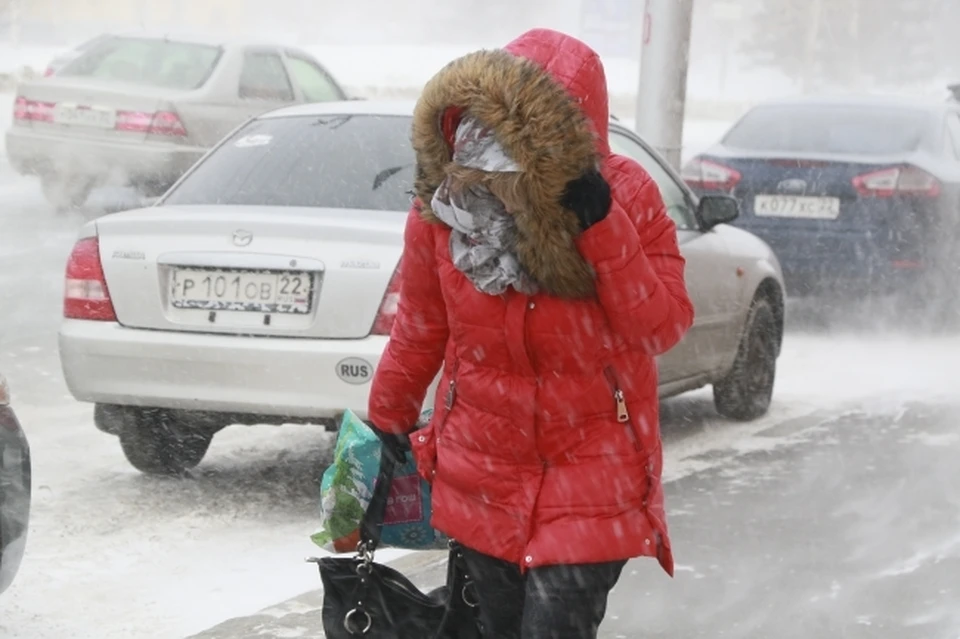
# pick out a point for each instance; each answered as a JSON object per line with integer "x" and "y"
{"x": 588, "y": 197}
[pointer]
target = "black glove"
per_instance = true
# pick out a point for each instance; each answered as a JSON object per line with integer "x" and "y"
{"x": 397, "y": 446}
{"x": 588, "y": 197}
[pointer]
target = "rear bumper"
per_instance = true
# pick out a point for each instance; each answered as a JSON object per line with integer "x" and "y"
{"x": 107, "y": 363}
{"x": 32, "y": 153}
{"x": 848, "y": 263}
{"x": 15, "y": 479}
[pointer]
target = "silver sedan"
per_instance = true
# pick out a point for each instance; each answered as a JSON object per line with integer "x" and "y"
{"x": 136, "y": 110}
{"x": 261, "y": 288}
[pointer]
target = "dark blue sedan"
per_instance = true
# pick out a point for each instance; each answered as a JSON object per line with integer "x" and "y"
{"x": 14, "y": 489}
{"x": 855, "y": 195}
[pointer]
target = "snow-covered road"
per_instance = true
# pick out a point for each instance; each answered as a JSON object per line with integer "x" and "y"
{"x": 113, "y": 554}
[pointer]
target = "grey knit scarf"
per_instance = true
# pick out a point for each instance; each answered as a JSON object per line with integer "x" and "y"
{"x": 484, "y": 235}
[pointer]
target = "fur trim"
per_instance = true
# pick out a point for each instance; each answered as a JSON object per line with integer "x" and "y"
{"x": 543, "y": 128}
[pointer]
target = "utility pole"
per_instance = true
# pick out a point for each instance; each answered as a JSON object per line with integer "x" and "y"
{"x": 662, "y": 94}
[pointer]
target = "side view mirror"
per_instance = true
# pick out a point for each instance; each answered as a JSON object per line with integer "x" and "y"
{"x": 717, "y": 209}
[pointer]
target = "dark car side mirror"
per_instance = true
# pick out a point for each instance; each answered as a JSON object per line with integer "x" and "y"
{"x": 717, "y": 209}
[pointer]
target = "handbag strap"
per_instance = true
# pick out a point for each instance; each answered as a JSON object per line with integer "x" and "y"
{"x": 372, "y": 522}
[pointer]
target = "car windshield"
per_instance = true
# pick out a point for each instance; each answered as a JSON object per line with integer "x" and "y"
{"x": 335, "y": 161}
{"x": 147, "y": 61}
{"x": 855, "y": 130}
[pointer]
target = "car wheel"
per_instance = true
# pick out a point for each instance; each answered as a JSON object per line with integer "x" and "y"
{"x": 66, "y": 193}
{"x": 745, "y": 392}
{"x": 158, "y": 443}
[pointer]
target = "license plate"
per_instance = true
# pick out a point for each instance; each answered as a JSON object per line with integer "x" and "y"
{"x": 75, "y": 115}
{"x": 815, "y": 208}
{"x": 254, "y": 291}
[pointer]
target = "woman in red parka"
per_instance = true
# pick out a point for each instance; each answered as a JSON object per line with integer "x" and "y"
{"x": 541, "y": 272}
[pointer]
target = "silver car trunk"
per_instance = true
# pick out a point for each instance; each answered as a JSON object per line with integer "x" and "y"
{"x": 92, "y": 108}
{"x": 276, "y": 271}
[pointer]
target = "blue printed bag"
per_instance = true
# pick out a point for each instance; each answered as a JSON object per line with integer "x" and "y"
{"x": 347, "y": 486}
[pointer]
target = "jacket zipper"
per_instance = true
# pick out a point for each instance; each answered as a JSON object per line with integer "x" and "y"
{"x": 623, "y": 413}
{"x": 623, "y": 416}
{"x": 450, "y": 398}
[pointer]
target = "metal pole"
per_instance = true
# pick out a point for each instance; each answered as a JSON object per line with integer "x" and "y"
{"x": 662, "y": 95}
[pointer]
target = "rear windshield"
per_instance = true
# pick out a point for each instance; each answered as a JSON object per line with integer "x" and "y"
{"x": 335, "y": 161}
{"x": 147, "y": 61}
{"x": 829, "y": 129}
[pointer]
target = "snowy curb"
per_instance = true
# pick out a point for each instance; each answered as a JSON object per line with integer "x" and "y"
{"x": 303, "y": 616}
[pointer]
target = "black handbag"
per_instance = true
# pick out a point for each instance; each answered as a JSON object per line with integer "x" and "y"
{"x": 362, "y": 598}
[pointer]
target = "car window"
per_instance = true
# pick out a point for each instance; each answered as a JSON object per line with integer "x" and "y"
{"x": 817, "y": 128}
{"x": 146, "y": 61}
{"x": 953, "y": 134}
{"x": 263, "y": 77}
{"x": 316, "y": 85}
{"x": 674, "y": 197}
{"x": 334, "y": 161}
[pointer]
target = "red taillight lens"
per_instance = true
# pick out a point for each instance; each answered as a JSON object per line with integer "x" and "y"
{"x": 388, "y": 307}
{"x": 32, "y": 111}
{"x": 709, "y": 175}
{"x": 159, "y": 123}
{"x": 897, "y": 180}
{"x": 49, "y": 71}
{"x": 167, "y": 123}
{"x": 86, "y": 295}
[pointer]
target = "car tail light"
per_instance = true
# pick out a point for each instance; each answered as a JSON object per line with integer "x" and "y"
{"x": 708, "y": 175}
{"x": 48, "y": 72}
{"x": 32, "y": 110}
{"x": 86, "y": 295}
{"x": 388, "y": 307}
{"x": 897, "y": 180}
{"x": 159, "y": 123}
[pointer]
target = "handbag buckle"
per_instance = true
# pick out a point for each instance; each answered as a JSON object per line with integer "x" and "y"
{"x": 352, "y": 622}
{"x": 468, "y": 599}
{"x": 364, "y": 555}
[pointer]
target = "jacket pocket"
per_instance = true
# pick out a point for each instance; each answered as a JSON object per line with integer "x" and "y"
{"x": 424, "y": 444}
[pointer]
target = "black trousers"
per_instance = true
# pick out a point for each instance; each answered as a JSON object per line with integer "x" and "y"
{"x": 550, "y": 602}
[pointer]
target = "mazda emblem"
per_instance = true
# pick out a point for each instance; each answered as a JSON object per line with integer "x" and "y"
{"x": 242, "y": 238}
{"x": 792, "y": 186}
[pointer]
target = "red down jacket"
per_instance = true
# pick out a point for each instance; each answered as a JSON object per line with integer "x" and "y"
{"x": 544, "y": 447}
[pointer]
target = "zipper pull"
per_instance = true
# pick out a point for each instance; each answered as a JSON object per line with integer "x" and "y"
{"x": 622, "y": 414}
{"x": 451, "y": 394}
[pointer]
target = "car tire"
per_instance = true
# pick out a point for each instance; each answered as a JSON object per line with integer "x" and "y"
{"x": 66, "y": 193}
{"x": 746, "y": 391}
{"x": 156, "y": 442}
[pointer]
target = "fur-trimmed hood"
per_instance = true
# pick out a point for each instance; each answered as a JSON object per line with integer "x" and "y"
{"x": 545, "y": 97}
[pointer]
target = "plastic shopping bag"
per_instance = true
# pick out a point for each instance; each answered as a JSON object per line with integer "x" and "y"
{"x": 347, "y": 485}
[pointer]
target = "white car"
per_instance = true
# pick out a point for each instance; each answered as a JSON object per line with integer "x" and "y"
{"x": 261, "y": 288}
